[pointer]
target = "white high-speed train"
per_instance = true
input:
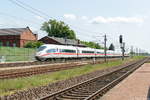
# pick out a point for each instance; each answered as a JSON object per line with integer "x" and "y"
{"x": 51, "y": 51}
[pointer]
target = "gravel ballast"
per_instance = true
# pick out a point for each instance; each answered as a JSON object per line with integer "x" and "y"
{"x": 34, "y": 93}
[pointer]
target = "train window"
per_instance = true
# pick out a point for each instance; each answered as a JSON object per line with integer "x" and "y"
{"x": 68, "y": 50}
{"x": 100, "y": 52}
{"x": 87, "y": 51}
{"x": 51, "y": 50}
{"x": 41, "y": 48}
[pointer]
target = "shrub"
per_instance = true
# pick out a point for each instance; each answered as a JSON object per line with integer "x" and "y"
{"x": 33, "y": 44}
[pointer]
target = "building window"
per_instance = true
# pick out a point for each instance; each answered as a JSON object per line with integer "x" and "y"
{"x": 14, "y": 44}
{"x": 1, "y": 43}
{"x": 7, "y": 43}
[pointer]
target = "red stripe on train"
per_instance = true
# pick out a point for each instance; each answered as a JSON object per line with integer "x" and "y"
{"x": 72, "y": 54}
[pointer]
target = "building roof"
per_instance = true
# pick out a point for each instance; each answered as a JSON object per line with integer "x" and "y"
{"x": 66, "y": 41}
{"x": 12, "y": 31}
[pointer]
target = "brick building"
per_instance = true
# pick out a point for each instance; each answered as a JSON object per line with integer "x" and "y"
{"x": 61, "y": 41}
{"x": 16, "y": 37}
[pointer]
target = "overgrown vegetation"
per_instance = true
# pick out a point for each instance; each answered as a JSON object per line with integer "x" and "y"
{"x": 12, "y": 85}
{"x": 92, "y": 45}
{"x": 35, "y": 44}
{"x": 111, "y": 47}
{"x": 17, "y": 54}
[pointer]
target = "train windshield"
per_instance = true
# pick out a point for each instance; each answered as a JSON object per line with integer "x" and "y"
{"x": 41, "y": 48}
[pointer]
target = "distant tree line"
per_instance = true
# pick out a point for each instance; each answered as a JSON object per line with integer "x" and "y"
{"x": 111, "y": 47}
{"x": 92, "y": 45}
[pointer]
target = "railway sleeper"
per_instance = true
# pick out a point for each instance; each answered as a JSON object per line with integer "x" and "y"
{"x": 85, "y": 88}
{"x": 60, "y": 98}
{"x": 84, "y": 92}
{"x": 65, "y": 97}
{"x": 80, "y": 92}
{"x": 78, "y": 95}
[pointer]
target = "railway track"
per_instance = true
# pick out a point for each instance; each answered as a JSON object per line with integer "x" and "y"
{"x": 24, "y": 72}
{"x": 96, "y": 87}
{"x": 18, "y": 64}
{"x": 37, "y": 70}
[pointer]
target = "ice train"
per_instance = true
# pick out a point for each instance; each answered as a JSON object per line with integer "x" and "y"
{"x": 51, "y": 51}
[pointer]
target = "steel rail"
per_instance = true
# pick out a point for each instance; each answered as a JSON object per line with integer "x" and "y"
{"x": 92, "y": 96}
{"x": 103, "y": 90}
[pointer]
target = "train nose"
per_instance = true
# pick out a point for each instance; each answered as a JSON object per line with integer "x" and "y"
{"x": 38, "y": 53}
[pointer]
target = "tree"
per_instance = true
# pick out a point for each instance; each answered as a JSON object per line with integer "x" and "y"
{"x": 58, "y": 29}
{"x": 111, "y": 47}
{"x": 92, "y": 45}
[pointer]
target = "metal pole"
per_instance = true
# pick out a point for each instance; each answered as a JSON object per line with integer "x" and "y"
{"x": 65, "y": 40}
{"x": 105, "y": 48}
{"x": 136, "y": 51}
{"x": 132, "y": 51}
{"x": 123, "y": 50}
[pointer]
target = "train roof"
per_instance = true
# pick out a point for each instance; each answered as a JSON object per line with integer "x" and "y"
{"x": 58, "y": 46}
{"x": 74, "y": 47}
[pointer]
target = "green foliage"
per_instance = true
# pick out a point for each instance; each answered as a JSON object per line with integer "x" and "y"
{"x": 112, "y": 47}
{"x": 92, "y": 45}
{"x": 13, "y": 54}
{"x": 33, "y": 44}
{"x": 58, "y": 29}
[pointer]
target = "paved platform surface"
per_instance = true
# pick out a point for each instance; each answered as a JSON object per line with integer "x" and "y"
{"x": 134, "y": 87}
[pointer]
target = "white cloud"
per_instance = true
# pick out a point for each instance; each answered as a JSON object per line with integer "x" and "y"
{"x": 70, "y": 16}
{"x": 84, "y": 18}
{"x": 39, "y": 17}
{"x": 100, "y": 19}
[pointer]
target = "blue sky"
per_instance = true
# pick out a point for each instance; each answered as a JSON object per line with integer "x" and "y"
{"x": 90, "y": 19}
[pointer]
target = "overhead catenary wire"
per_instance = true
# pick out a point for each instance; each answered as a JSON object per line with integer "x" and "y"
{"x": 19, "y": 21}
{"x": 27, "y": 9}
{"x": 18, "y": 18}
{"x": 8, "y": 25}
{"x": 40, "y": 13}
{"x": 44, "y": 15}
{"x": 37, "y": 10}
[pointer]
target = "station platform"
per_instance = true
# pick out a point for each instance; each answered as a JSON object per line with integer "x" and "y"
{"x": 135, "y": 87}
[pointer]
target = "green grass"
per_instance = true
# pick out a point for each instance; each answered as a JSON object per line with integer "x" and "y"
{"x": 17, "y": 54}
{"x": 11, "y": 85}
